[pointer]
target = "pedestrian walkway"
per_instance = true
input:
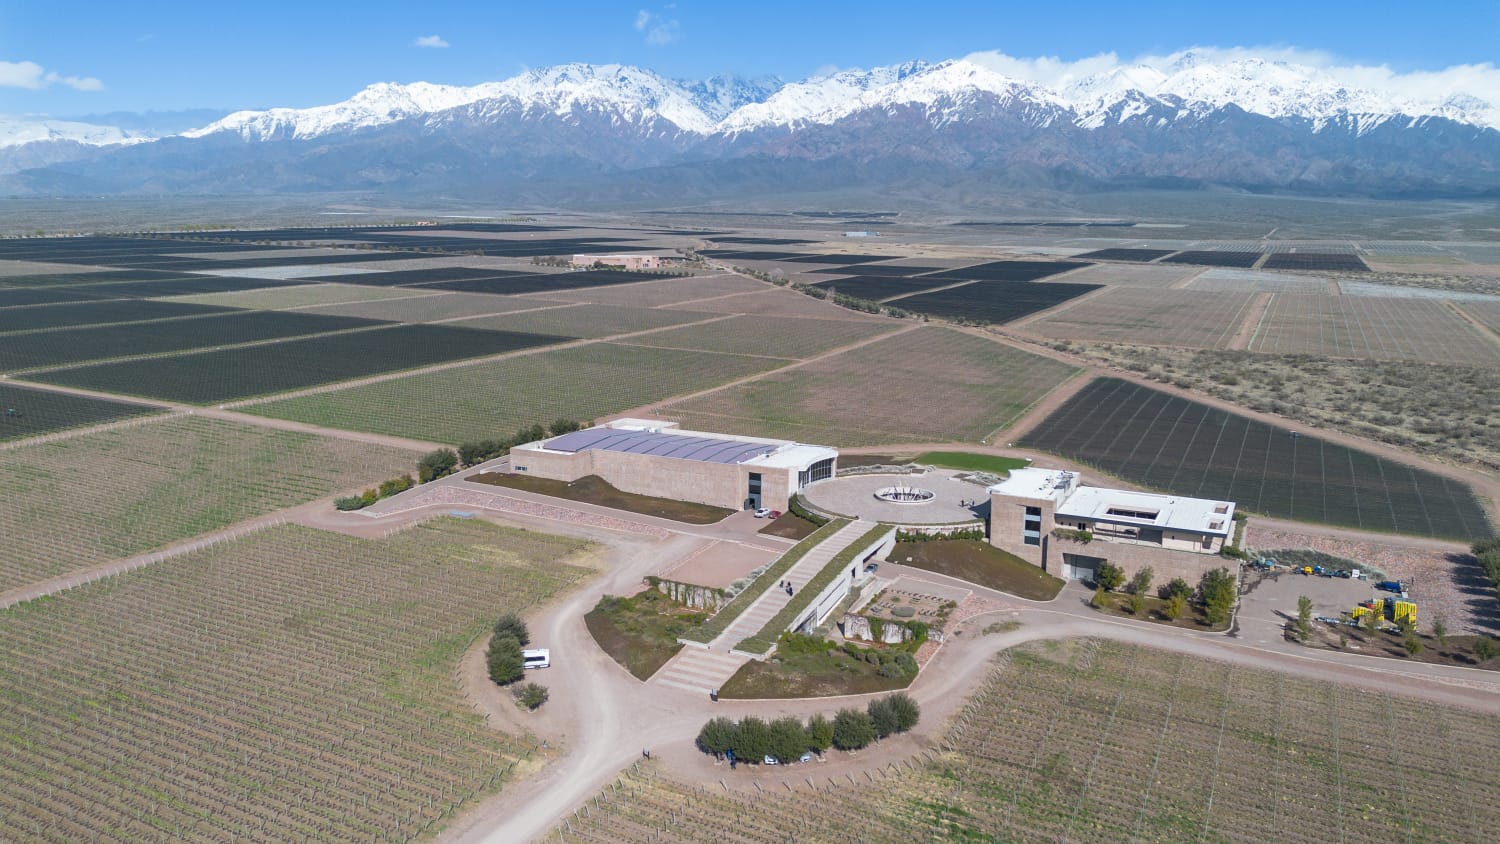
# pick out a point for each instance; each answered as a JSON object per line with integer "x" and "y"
{"x": 700, "y": 670}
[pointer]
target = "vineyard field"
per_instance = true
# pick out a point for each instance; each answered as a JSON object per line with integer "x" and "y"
{"x": 214, "y": 376}
{"x": 88, "y": 499}
{"x": 886, "y": 391}
{"x": 1182, "y": 447}
{"x": 26, "y": 412}
{"x": 289, "y": 684}
{"x": 763, "y": 335}
{"x": 496, "y": 398}
{"x": 1155, "y": 746}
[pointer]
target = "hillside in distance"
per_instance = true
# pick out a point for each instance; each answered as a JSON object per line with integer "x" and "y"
{"x": 626, "y": 133}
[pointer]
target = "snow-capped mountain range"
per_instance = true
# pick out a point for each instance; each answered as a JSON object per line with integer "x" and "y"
{"x": 620, "y": 117}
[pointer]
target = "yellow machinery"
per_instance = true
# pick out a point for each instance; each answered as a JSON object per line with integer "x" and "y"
{"x": 1399, "y": 610}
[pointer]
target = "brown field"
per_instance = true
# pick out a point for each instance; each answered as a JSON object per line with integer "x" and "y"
{"x": 655, "y": 294}
{"x": 299, "y": 296}
{"x": 764, "y": 335}
{"x": 290, "y": 684}
{"x": 928, "y": 385}
{"x": 1156, "y": 317}
{"x": 777, "y": 302}
{"x": 1372, "y": 327}
{"x": 1486, "y": 312}
{"x": 1155, "y": 746}
{"x": 1134, "y": 275}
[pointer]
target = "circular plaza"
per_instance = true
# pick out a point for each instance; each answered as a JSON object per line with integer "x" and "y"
{"x": 937, "y": 497}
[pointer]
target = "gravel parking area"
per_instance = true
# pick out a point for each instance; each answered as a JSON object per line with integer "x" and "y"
{"x": 1442, "y": 581}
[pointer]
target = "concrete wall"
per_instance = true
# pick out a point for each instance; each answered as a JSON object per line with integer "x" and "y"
{"x": 1007, "y": 519}
{"x": 853, "y": 573}
{"x": 717, "y": 484}
{"x": 1165, "y": 563}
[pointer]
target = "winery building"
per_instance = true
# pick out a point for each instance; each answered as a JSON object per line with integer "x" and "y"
{"x": 1045, "y": 515}
{"x": 656, "y": 457}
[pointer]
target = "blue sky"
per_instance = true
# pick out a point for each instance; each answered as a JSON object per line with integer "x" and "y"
{"x": 62, "y": 57}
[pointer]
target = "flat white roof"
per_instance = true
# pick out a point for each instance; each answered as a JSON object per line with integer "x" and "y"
{"x": 1147, "y": 509}
{"x": 1032, "y": 482}
{"x": 1094, "y": 504}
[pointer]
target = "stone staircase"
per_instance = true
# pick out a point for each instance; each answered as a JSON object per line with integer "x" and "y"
{"x": 700, "y": 670}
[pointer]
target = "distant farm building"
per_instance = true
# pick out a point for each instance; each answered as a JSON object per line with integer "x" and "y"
{"x": 655, "y": 457}
{"x": 629, "y": 262}
{"x": 1048, "y": 518}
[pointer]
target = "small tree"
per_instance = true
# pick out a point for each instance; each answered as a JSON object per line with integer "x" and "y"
{"x": 563, "y": 426}
{"x": 1137, "y": 603}
{"x": 908, "y": 713}
{"x": 530, "y": 695}
{"x": 1371, "y": 622}
{"x": 1178, "y": 586}
{"x": 1484, "y": 649}
{"x": 504, "y": 660}
{"x": 852, "y": 729}
{"x": 1141, "y": 581}
{"x": 819, "y": 733}
{"x": 1174, "y": 608}
{"x": 883, "y": 716}
{"x": 753, "y": 742}
{"x": 1304, "y": 618}
{"x": 718, "y": 737}
{"x": 1216, "y": 593}
{"x": 1109, "y": 576}
{"x": 511, "y": 625}
{"x": 1098, "y": 601}
{"x": 788, "y": 739}
{"x": 1412, "y": 641}
{"x": 436, "y": 464}
{"x": 1440, "y": 629}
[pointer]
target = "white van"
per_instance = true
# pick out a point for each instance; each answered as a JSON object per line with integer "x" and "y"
{"x": 537, "y": 658}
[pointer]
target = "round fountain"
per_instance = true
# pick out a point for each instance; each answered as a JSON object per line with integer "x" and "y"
{"x": 905, "y": 494}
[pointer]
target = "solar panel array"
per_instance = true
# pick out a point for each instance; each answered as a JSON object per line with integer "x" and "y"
{"x": 681, "y": 447}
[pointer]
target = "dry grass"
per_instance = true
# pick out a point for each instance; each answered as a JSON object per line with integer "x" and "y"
{"x": 777, "y": 302}
{"x": 434, "y": 306}
{"x": 929, "y": 385}
{"x": 654, "y": 294}
{"x": 591, "y": 321}
{"x": 1159, "y": 317}
{"x": 1156, "y": 276}
{"x": 298, "y": 296}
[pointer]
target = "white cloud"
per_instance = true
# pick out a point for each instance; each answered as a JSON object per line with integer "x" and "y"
{"x": 1419, "y": 86}
{"x": 660, "y": 31}
{"x": 433, "y": 41}
{"x": 34, "y": 77}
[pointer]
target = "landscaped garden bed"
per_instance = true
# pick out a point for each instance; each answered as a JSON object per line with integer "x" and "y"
{"x": 640, "y": 632}
{"x": 812, "y": 666}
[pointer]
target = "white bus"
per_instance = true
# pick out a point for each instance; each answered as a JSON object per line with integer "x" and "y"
{"x": 537, "y": 658}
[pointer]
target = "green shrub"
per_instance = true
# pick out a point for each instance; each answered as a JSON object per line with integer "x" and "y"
{"x": 1141, "y": 580}
{"x": 370, "y": 496}
{"x": 530, "y": 695}
{"x": 511, "y": 625}
{"x": 395, "y": 486}
{"x": 1109, "y": 576}
{"x": 350, "y": 502}
{"x": 882, "y": 716}
{"x": 852, "y": 729}
{"x": 788, "y": 739}
{"x": 1178, "y": 587}
{"x": 718, "y": 736}
{"x": 904, "y": 612}
{"x": 504, "y": 660}
{"x": 436, "y": 464}
{"x": 798, "y": 509}
{"x": 819, "y": 733}
{"x": 908, "y": 713}
{"x": 753, "y": 739}
{"x": 1216, "y": 595}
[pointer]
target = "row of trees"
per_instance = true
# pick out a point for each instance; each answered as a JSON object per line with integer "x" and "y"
{"x": 476, "y": 452}
{"x": 506, "y": 663}
{"x": 752, "y": 739}
{"x": 1215, "y": 592}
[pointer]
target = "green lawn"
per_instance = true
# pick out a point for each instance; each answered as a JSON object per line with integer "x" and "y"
{"x": 808, "y": 667}
{"x": 992, "y": 463}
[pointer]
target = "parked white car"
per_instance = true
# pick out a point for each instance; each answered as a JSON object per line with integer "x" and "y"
{"x": 762, "y": 512}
